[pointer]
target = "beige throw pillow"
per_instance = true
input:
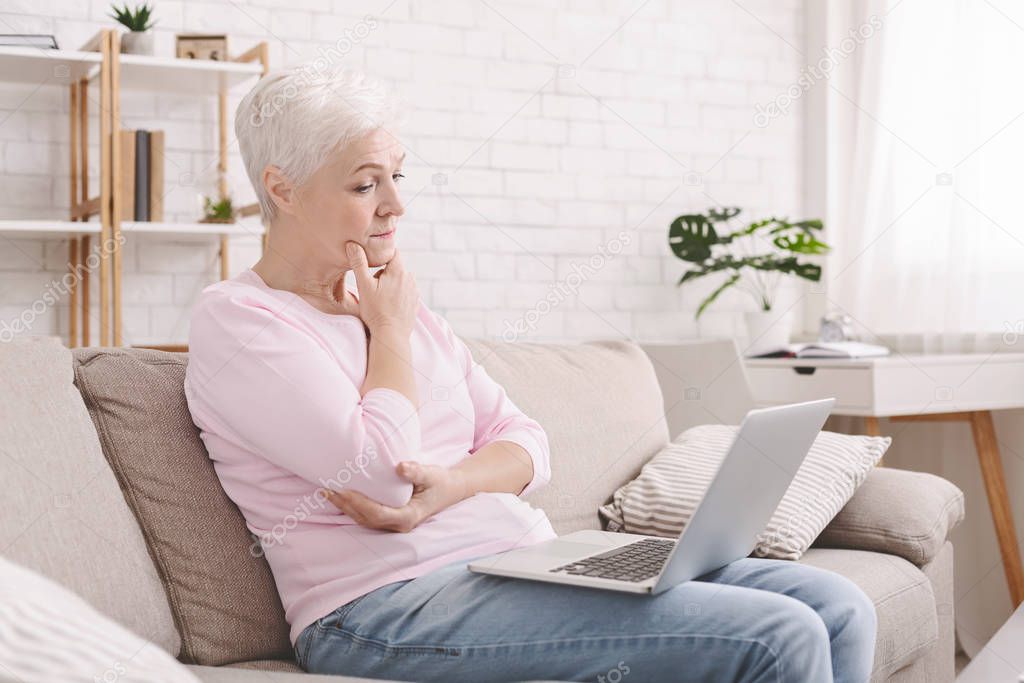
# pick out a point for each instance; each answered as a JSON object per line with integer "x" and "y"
{"x": 221, "y": 592}
{"x": 662, "y": 499}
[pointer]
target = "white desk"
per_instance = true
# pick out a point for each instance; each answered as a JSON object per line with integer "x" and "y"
{"x": 960, "y": 387}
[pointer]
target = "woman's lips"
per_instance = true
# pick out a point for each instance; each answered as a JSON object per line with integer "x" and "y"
{"x": 385, "y": 235}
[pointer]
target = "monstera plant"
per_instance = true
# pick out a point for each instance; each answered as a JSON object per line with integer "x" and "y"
{"x": 752, "y": 256}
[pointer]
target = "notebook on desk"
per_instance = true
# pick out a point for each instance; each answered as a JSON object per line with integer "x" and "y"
{"x": 826, "y": 350}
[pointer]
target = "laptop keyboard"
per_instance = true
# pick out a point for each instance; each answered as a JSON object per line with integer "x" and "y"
{"x": 635, "y": 562}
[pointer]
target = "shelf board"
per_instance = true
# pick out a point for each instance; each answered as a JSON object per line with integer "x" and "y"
{"x": 198, "y": 76}
{"x": 163, "y": 346}
{"x": 56, "y": 228}
{"x": 230, "y": 229}
{"x": 45, "y": 66}
{"x": 44, "y": 228}
{"x": 42, "y": 66}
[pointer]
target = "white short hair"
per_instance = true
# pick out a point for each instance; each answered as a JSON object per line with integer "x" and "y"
{"x": 294, "y": 118}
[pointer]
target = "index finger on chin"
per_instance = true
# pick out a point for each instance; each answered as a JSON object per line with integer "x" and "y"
{"x": 357, "y": 261}
{"x": 396, "y": 262}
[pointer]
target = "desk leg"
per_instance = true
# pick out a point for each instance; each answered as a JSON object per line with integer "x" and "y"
{"x": 998, "y": 500}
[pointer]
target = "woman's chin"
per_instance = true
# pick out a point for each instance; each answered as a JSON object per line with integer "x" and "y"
{"x": 380, "y": 254}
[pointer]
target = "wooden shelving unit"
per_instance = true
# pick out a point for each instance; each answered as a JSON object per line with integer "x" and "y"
{"x": 100, "y": 64}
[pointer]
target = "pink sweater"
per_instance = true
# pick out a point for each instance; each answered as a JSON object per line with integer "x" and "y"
{"x": 273, "y": 385}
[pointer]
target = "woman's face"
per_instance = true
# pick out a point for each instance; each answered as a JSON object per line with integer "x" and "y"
{"x": 354, "y": 196}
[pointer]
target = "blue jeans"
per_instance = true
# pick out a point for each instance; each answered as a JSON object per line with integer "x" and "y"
{"x": 753, "y": 620}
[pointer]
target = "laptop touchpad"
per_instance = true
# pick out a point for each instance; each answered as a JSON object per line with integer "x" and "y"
{"x": 568, "y": 550}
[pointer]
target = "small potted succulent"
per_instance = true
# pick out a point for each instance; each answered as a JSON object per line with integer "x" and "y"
{"x": 753, "y": 257}
{"x": 221, "y": 211}
{"x": 138, "y": 21}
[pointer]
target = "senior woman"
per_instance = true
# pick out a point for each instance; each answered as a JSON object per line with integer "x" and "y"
{"x": 373, "y": 457}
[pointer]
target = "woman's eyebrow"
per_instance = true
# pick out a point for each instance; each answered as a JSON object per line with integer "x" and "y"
{"x": 369, "y": 164}
{"x": 374, "y": 164}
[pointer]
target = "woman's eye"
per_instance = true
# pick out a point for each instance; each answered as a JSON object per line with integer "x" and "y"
{"x": 363, "y": 189}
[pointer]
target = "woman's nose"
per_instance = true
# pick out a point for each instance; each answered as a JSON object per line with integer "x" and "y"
{"x": 391, "y": 209}
{"x": 392, "y": 204}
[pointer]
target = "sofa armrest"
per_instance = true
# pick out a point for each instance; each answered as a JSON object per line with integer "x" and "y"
{"x": 909, "y": 514}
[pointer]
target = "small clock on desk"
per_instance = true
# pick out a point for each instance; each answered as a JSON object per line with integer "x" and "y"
{"x": 836, "y": 327}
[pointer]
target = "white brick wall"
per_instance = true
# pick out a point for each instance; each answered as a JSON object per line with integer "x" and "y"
{"x": 556, "y": 124}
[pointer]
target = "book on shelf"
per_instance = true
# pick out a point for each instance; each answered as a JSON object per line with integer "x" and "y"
{"x": 38, "y": 40}
{"x": 127, "y": 188}
{"x": 846, "y": 349}
{"x": 142, "y": 175}
{"x": 156, "y": 176}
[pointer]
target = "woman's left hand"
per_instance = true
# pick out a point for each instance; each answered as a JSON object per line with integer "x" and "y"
{"x": 434, "y": 489}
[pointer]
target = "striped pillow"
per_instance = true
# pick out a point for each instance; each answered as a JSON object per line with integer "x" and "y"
{"x": 662, "y": 499}
{"x": 47, "y": 633}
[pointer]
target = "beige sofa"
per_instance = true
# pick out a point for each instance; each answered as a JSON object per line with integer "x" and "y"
{"x": 107, "y": 489}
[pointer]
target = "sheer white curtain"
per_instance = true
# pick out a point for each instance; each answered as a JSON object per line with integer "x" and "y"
{"x": 925, "y": 209}
{"x": 928, "y": 177}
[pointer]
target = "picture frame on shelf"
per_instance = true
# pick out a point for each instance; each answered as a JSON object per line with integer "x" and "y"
{"x": 201, "y": 46}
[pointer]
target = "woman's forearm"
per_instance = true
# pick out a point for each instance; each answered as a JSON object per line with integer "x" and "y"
{"x": 389, "y": 364}
{"x": 499, "y": 467}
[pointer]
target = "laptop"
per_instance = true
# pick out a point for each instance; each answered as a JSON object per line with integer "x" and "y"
{"x": 750, "y": 481}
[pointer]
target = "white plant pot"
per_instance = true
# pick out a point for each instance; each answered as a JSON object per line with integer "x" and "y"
{"x": 767, "y": 331}
{"x": 137, "y": 43}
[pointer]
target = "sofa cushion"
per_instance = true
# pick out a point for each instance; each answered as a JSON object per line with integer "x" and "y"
{"x": 601, "y": 407}
{"x": 63, "y": 513}
{"x": 904, "y": 602}
{"x": 909, "y": 514}
{"x": 222, "y": 595}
